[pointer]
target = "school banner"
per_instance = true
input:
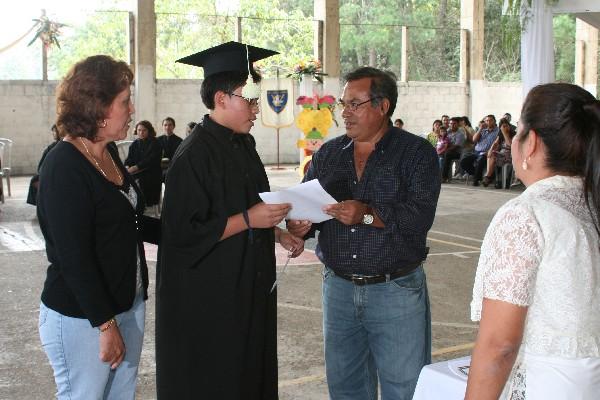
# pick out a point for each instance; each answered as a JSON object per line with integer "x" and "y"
{"x": 277, "y": 102}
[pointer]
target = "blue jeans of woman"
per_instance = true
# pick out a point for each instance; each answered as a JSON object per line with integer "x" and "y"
{"x": 375, "y": 331}
{"x": 73, "y": 346}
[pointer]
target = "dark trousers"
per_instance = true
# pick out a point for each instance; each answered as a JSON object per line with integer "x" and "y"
{"x": 449, "y": 157}
{"x": 474, "y": 164}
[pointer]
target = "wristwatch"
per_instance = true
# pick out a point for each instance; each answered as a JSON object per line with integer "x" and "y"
{"x": 368, "y": 219}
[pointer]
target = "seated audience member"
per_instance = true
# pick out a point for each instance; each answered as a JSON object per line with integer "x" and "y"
{"x": 513, "y": 128}
{"x": 499, "y": 153}
{"x": 35, "y": 179}
{"x": 398, "y": 123}
{"x": 143, "y": 162}
{"x": 481, "y": 125}
{"x": 189, "y": 128}
{"x": 442, "y": 146}
{"x": 474, "y": 164}
{"x": 445, "y": 121}
{"x": 432, "y": 136}
{"x": 456, "y": 138}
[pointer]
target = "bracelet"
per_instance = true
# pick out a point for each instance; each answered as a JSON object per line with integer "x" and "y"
{"x": 109, "y": 323}
{"x": 247, "y": 220}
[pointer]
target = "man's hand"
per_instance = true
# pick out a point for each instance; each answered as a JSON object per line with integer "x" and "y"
{"x": 298, "y": 228}
{"x": 112, "y": 348}
{"x": 263, "y": 215}
{"x": 348, "y": 212}
{"x": 291, "y": 243}
{"x": 133, "y": 169}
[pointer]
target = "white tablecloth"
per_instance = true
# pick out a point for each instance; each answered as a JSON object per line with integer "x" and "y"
{"x": 445, "y": 380}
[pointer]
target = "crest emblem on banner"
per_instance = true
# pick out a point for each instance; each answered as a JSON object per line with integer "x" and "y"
{"x": 277, "y": 99}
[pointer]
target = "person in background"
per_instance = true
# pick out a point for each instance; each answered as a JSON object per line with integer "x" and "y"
{"x": 34, "y": 183}
{"x": 536, "y": 291}
{"x": 499, "y": 154}
{"x": 169, "y": 142}
{"x": 432, "y": 136}
{"x": 376, "y": 318}
{"x": 189, "y": 128}
{"x": 92, "y": 309}
{"x": 398, "y": 123}
{"x": 454, "y": 150}
{"x": 513, "y": 128}
{"x": 445, "y": 121}
{"x": 143, "y": 162}
{"x": 216, "y": 304}
{"x": 441, "y": 147}
{"x": 475, "y": 163}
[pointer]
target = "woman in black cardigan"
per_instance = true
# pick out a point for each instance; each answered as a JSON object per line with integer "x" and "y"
{"x": 143, "y": 162}
{"x": 91, "y": 215}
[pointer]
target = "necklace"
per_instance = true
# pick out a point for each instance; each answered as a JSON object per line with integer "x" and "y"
{"x": 98, "y": 164}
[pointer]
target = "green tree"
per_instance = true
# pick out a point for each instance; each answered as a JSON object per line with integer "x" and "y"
{"x": 99, "y": 33}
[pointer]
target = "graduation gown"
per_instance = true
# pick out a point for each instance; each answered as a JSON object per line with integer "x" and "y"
{"x": 215, "y": 318}
{"x": 146, "y": 155}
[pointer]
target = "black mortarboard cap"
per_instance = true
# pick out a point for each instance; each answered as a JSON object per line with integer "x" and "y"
{"x": 230, "y": 56}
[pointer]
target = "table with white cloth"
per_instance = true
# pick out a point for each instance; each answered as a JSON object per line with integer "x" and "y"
{"x": 446, "y": 380}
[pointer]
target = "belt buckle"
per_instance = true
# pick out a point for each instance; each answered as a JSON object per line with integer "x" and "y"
{"x": 358, "y": 279}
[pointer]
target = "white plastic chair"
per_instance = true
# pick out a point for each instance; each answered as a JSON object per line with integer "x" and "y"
{"x": 5, "y": 157}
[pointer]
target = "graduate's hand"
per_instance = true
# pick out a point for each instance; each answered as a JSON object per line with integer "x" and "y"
{"x": 291, "y": 243}
{"x": 263, "y": 215}
{"x": 298, "y": 227}
{"x": 112, "y": 348}
{"x": 348, "y": 212}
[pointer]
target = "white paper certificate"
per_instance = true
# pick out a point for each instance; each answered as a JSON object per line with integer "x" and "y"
{"x": 306, "y": 199}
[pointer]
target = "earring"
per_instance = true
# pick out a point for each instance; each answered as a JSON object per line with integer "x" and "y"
{"x": 102, "y": 124}
{"x": 524, "y": 164}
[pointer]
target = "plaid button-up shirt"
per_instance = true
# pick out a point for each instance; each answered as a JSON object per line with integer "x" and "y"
{"x": 401, "y": 182}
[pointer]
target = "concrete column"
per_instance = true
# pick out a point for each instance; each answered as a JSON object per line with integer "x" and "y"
{"x": 586, "y": 56}
{"x": 404, "y": 56}
{"x": 328, "y": 11}
{"x": 471, "y": 46}
{"x": 145, "y": 60}
{"x": 471, "y": 19}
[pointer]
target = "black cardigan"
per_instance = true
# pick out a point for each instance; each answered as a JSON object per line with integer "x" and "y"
{"x": 92, "y": 235}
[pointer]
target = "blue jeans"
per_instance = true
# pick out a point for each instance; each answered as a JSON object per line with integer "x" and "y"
{"x": 379, "y": 330}
{"x": 73, "y": 346}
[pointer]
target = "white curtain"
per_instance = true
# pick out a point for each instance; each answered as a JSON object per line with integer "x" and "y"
{"x": 537, "y": 44}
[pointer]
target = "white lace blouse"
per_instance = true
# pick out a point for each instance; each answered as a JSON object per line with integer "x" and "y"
{"x": 541, "y": 251}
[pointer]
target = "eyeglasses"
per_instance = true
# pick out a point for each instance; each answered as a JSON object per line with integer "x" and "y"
{"x": 251, "y": 102}
{"x": 353, "y": 106}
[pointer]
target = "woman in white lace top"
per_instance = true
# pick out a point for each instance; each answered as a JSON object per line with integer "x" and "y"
{"x": 537, "y": 287}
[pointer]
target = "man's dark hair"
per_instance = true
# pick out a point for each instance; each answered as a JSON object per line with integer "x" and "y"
{"x": 383, "y": 85}
{"x": 171, "y": 120}
{"x": 225, "y": 82}
{"x": 399, "y": 120}
{"x": 456, "y": 119}
{"x": 492, "y": 116}
{"x": 445, "y": 116}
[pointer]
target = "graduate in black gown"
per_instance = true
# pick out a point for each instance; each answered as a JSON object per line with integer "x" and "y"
{"x": 143, "y": 162}
{"x": 215, "y": 311}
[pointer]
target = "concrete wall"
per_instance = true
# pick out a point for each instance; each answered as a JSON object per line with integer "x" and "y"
{"x": 27, "y": 110}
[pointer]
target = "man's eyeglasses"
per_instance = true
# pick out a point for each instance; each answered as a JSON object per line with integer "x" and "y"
{"x": 353, "y": 106}
{"x": 251, "y": 102}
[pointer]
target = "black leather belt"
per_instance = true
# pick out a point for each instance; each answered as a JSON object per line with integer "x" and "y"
{"x": 361, "y": 280}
